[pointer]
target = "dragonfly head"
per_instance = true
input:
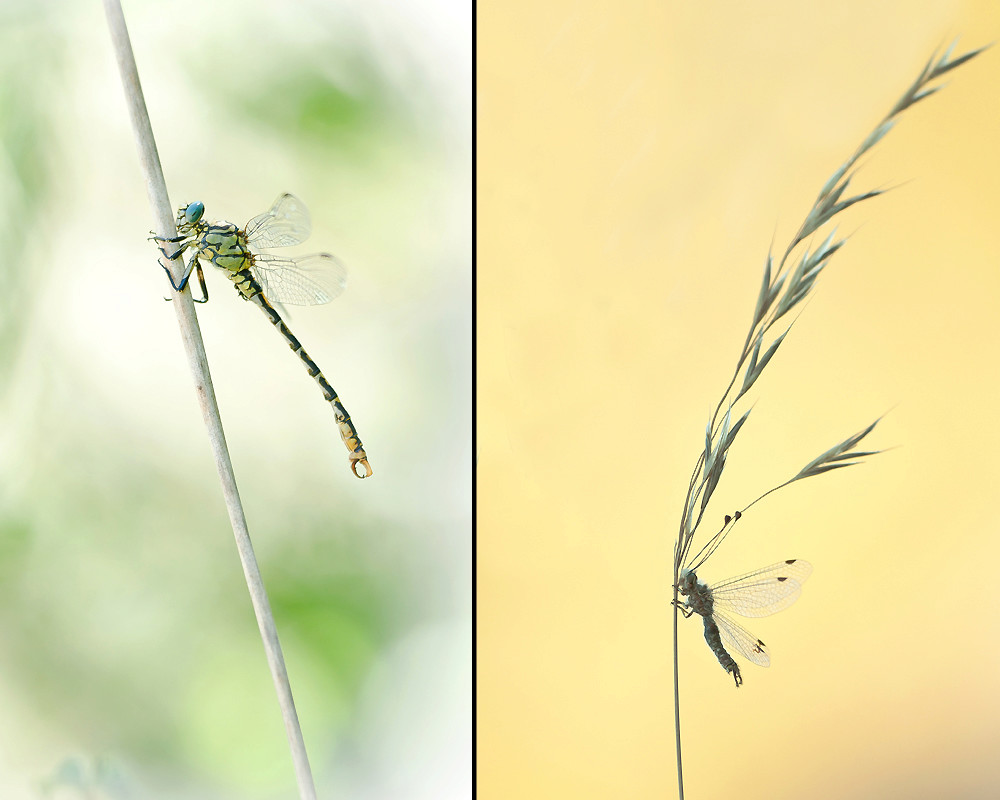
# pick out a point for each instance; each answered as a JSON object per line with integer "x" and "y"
{"x": 188, "y": 215}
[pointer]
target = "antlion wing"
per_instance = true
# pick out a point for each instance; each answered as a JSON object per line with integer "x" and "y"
{"x": 764, "y": 591}
{"x": 741, "y": 641}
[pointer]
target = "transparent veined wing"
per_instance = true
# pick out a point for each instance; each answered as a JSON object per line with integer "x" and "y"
{"x": 285, "y": 224}
{"x": 740, "y": 640}
{"x": 764, "y": 591}
{"x": 305, "y": 281}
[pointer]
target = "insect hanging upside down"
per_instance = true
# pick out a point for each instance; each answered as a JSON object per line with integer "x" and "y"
{"x": 263, "y": 279}
{"x": 757, "y": 594}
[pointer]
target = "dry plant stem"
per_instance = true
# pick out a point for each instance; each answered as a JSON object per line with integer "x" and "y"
{"x": 195, "y": 349}
{"x": 677, "y": 701}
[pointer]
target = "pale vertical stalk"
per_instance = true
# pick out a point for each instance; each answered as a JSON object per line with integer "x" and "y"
{"x": 194, "y": 347}
{"x": 677, "y": 698}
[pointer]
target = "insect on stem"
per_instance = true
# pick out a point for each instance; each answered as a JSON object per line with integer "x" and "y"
{"x": 263, "y": 279}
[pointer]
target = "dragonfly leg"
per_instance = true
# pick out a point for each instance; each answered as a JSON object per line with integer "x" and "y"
{"x": 191, "y": 267}
{"x": 184, "y": 281}
{"x": 201, "y": 282}
{"x": 162, "y": 240}
{"x": 155, "y": 238}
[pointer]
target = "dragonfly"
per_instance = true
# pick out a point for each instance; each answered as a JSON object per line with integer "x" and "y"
{"x": 759, "y": 593}
{"x": 265, "y": 279}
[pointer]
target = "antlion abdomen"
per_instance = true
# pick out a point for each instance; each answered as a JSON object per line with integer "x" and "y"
{"x": 714, "y": 639}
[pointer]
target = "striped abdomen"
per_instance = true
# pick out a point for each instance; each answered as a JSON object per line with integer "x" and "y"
{"x": 714, "y": 640}
{"x": 250, "y": 289}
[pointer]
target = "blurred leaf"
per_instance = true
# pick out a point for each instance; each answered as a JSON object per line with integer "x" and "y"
{"x": 301, "y": 102}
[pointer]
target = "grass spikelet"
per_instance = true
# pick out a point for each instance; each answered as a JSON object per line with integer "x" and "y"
{"x": 783, "y": 288}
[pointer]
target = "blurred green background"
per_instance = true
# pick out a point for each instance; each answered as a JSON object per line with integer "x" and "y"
{"x": 130, "y": 660}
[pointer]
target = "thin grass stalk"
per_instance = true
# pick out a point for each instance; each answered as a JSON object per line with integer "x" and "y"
{"x": 677, "y": 701}
{"x": 781, "y": 291}
{"x": 194, "y": 347}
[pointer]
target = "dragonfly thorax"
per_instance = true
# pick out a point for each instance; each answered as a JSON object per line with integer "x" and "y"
{"x": 224, "y": 245}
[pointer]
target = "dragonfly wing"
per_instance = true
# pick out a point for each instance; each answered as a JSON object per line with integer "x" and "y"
{"x": 764, "y": 591}
{"x": 286, "y": 223}
{"x": 306, "y": 281}
{"x": 741, "y": 640}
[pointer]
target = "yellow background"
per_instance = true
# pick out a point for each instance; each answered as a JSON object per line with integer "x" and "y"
{"x": 635, "y": 161}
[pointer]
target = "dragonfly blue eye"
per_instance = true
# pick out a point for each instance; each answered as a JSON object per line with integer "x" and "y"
{"x": 193, "y": 211}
